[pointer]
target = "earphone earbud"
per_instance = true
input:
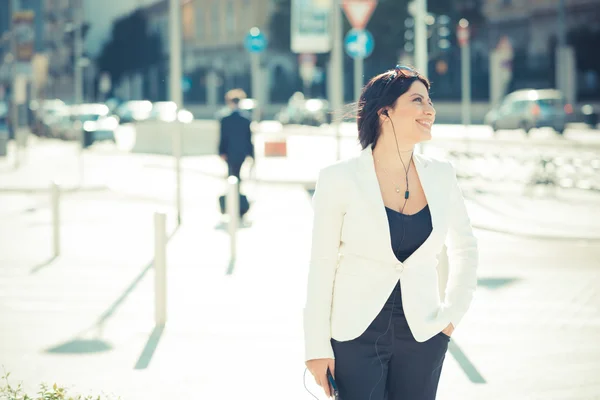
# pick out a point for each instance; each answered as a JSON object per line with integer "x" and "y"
{"x": 385, "y": 112}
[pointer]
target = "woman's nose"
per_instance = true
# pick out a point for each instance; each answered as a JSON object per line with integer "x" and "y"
{"x": 430, "y": 110}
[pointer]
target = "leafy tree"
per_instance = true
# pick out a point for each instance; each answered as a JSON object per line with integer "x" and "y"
{"x": 131, "y": 47}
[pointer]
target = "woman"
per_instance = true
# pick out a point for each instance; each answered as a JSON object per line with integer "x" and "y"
{"x": 374, "y": 314}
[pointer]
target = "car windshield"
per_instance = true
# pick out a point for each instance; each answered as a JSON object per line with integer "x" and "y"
{"x": 550, "y": 103}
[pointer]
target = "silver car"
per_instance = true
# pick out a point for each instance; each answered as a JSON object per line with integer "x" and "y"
{"x": 531, "y": 108}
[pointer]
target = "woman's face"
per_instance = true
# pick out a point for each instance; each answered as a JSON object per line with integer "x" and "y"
{"x": 413, "y": 114}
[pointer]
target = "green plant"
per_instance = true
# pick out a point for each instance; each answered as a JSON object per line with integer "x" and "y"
{"x": 54, "y": 392}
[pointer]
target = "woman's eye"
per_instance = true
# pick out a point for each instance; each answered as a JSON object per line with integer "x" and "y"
{"x": 418, "y": 99}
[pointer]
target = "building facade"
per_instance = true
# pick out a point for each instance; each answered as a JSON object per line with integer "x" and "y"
{"x": 531, "y": 28}
{"x": 214, "y": 57}
{"x": 36, "y": 7}
{"x": 63, "y": 18}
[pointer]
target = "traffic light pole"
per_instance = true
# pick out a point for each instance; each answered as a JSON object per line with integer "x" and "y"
{"x": 420, "y": 14}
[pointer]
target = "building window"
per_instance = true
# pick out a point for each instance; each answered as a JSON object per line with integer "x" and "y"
{"x": 215, "y": 19}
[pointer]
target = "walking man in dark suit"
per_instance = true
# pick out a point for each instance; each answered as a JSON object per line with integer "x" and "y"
{"x": 236, "y": 136}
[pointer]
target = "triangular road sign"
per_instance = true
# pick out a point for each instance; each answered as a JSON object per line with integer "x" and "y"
{"x": 359, "y": 12}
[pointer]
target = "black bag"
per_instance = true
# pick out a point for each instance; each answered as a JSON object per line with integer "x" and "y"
{"x": 244, "y": 204}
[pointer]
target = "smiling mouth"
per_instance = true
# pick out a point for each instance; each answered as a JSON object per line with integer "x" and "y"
{"x": 426, "y": 124}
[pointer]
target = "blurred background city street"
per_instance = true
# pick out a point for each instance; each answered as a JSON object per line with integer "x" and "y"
{"x": 109, "y": 121}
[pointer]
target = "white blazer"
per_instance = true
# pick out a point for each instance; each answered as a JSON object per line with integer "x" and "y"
{"x": 353, "y": 269}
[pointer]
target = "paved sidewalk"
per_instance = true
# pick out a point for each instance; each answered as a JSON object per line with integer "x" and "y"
{"x": 564, "y": 214}
{"x": 234, "y": 329}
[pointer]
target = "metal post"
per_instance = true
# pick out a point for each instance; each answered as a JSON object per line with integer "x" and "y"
{"x": 560, "y": 52}
{"x": 256, "y": 84}
{"x": 466, "y": 92}
{"x": 55, "y": 204}
{"x": 562, "y": 30}
{"x": 176, "y": 95}
{"x": 160, "y": 268}
{"x": 175, "y": 92}
{"x": 421, "y": 56}
{"x": 78, "y": 52}
{"x": 233, "y": 211}
{"x": 465, "y": 57}
{"x": 14, "y": 112}
{"x": 358, "y": 77}
{"x": 336, "y": 73}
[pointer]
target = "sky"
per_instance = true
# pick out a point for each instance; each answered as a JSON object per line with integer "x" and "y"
{"x": 101, "y": 14}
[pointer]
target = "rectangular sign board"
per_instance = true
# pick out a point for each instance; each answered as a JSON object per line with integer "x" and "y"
{"x": 310, "y": 26}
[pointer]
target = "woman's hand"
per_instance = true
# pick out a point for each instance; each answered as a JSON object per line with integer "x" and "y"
{"x": 448, "y": 330}
{"x": 318, "y": 369}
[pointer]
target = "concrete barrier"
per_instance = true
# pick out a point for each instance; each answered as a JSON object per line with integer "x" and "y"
{"x": 200, "y": 137}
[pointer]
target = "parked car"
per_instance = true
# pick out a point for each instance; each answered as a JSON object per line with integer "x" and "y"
{"x": 305, "y": 111}
{"x": 94, "y": 122}
{"x": 531, "y": 108}
{"x": 133, "y": 111}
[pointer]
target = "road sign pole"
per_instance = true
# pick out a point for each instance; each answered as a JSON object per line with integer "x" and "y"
{"x": 256, "y": 85}
{"x": 359, "y": 42}
{"x": 255, "y": 44}
{"x": 337, "y": 72}
{"x": 358, "y": 77}
{"x": 175, "y": 92}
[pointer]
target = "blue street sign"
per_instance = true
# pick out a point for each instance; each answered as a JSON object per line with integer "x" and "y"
{"x": 186, "y": 84}
{"x": 255, "y": 41}
{"x": 359, "y": 43}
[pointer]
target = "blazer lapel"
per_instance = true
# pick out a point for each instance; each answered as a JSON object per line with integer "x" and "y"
{"x": 369, "y": 187}
{"x": 428, "y": 183}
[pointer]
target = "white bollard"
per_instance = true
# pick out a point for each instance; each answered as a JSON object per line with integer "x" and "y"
{"x": 160, "y": 268}
{"x": 233, "y": 211}
{"x": 55, "y": 204}
{"x": 177, "y": 150}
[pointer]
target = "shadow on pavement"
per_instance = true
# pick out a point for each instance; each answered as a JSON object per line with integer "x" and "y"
{"x": 150, "y": 348}
{"x": 496, "y": 283}
{"x": 231, "y": 267}
{"x": 465, "y": 364}
{"x": 42, "y": 265}
{"x": 80, "y": 345}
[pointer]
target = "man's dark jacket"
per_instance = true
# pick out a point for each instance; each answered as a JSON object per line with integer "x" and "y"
{"x": 236, "y": 137}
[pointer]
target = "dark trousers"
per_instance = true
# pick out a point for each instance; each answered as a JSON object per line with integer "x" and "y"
{"x": 386, "y": 362}
{"x": 234, "y": 170}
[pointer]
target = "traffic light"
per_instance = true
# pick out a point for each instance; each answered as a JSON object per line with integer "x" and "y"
{"x": 443, "y": 32}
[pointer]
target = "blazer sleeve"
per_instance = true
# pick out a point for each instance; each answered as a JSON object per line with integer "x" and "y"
{"x": 250, "y": 143}
{"x": 328, "y": 217}
{"x": 462, "y": 256}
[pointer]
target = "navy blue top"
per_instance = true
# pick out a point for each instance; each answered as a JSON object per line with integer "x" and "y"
{"x": 408, "y": 232}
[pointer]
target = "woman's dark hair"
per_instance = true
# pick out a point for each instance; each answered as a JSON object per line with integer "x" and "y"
{"x": 380, "y": 92}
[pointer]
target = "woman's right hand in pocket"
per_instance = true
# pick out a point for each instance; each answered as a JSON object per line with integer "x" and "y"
{"x": 318, "y": 369}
